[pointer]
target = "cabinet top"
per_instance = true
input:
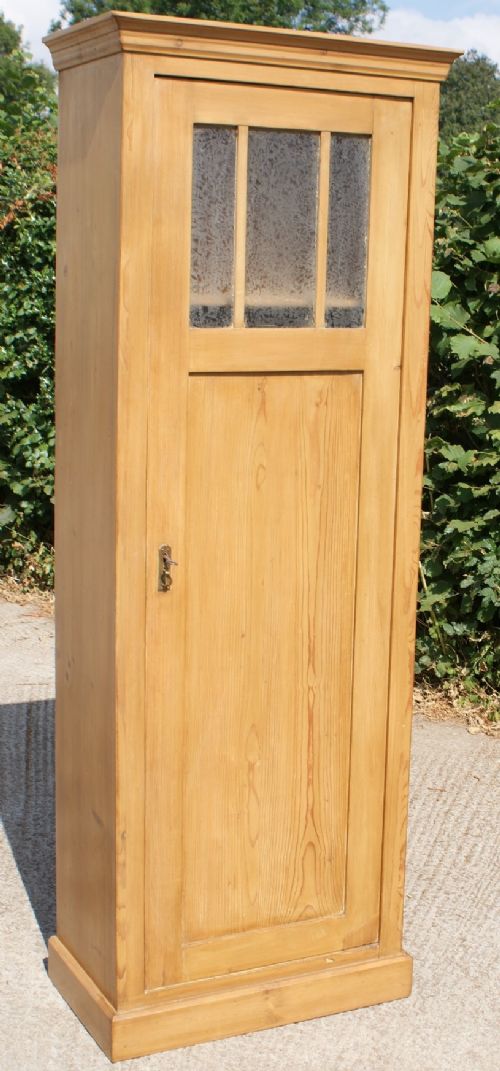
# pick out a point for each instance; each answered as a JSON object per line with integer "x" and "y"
{"x": 162, "y": 35}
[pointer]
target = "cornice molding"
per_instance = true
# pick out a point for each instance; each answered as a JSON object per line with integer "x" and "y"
{"x": 117, "y": 32}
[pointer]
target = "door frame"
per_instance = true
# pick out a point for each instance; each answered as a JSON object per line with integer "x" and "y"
{"x": 168, "y": 960}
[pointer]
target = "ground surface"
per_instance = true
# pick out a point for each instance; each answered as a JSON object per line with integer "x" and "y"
{"x": 448, "y": 1024}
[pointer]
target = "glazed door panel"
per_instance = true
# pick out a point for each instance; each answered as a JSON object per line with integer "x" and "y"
{"x": 273, "y": 423}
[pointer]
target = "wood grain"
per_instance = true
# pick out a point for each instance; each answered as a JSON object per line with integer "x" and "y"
{"x": 322, "y": 226}
{"x": 231, "y": 1007}
{"x": 407, "y": 540}
{"x": 165, "y": 650}
{"x": 86, "y": 374}
{"x": 339, "y": 81}
{"x": 220, "y": 879}
{"x": 252, "y": 105}
{"x": 384, "y": 321}
{"x": 272, "y": 505}
{"x": 150, "y": 34}
{"x": 240, "y": 226}
{"x": 280, "y": 349}
{"x": 138, "y": 147}
{"x": 232, "y": 757}
{"x": 223, "y": 1014}
{"x": 82, "y": 994}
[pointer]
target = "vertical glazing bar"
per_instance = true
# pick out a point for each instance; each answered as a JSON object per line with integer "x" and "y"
{"x": 241, "y": 227}
{"x": 322, "y": 225}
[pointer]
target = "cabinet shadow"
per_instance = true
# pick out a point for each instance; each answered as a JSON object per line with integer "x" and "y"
{"x": 27, "y": 800}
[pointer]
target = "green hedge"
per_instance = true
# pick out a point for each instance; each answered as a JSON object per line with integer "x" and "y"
{"x": 460, "y": 565}
{"x": 28, "y": 139}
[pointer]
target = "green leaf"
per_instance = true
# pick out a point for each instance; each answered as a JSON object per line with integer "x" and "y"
{"x": 7, "y": 515}
{"x": 441, "y": 285}
{"x": 451, "y": 315}
{"x": 465, "y": 346}
{"x": 492, "y": 249}
{"x": 460, "y": 526}
{"x": 462, "y": 163}
{"x": 455, "y": 452}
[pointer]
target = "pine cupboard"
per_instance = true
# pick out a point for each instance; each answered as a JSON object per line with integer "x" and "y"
{"x": 243, "y": 264}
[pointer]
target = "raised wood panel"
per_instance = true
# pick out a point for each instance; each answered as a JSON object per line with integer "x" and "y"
{"x": 272, "y": 489}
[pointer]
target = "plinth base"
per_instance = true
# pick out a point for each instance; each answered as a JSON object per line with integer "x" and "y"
{"x": 159, "y": 1023}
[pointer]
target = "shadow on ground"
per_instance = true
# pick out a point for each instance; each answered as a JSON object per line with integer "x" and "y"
{"x": 27, "y": 800}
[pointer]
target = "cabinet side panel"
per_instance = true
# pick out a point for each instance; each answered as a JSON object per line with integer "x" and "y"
{"x": 87, "y": 264}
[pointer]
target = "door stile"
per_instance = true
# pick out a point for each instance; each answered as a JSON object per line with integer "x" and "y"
{"x": 408, "y": 518}
{"x": 137, "y": 162}
{"x": 165, "y": 644}
{"x": 380, "y": 422}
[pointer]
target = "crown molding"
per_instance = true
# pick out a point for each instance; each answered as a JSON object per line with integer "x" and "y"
{"x": 157, "y": 35}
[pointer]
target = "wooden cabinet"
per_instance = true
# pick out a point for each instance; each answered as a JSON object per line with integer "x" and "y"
{"x": 244, "y": 252}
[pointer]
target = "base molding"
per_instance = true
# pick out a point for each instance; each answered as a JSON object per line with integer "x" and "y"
{"x": 173, "y": 1023}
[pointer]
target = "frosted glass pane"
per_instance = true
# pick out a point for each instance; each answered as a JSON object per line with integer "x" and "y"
{"x": 212, "y": 226}
{"x": 281, "y": 228}
{"x": 347, "y": 231}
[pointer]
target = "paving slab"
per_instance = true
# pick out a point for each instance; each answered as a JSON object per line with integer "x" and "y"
{"x": 451, "y": 926}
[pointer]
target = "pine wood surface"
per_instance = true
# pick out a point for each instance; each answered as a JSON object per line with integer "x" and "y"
{"x": 408, "y": 512}
{"x": 88, "y": 259}
{"x": 202, "y": 713}
{"x": 132, "y": 357}
{"x": 269, "y": 655}
{"x": 232, "y": 756}
{"x": 114, "y": 31}
{"x": 232, "y": 1009}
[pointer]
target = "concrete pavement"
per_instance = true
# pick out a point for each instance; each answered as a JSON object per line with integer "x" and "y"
{"x": 452, "y": 930}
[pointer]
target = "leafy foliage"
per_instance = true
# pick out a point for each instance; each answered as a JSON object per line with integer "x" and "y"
{"x": 460, "y": 567}
{"x": 333, "y": 16}
{"x": 470, "y": 97}
{"x": 27, "y": 237}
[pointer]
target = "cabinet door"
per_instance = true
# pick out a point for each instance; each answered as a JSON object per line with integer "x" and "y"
{"x": 276, "y": 330}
